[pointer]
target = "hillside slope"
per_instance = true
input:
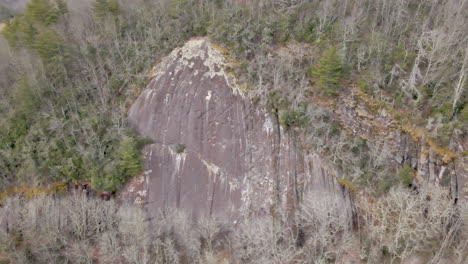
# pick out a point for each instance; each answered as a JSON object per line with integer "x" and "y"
{"x": 272, "y": 131}
{"x": 214, "y": 153}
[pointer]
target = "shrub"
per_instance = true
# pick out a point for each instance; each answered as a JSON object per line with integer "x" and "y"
{"x": 179, "y": 148}
{"x": 292, "y": 118}
{"x": 362, "y": 84}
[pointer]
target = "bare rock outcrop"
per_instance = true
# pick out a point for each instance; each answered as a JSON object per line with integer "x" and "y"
{"x": 399, "y": 143}
{"x": 214, "y": 153}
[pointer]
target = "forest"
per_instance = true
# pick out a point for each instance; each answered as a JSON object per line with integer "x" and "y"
{"x": 68, "y": 79}
{"x": 70, "y": 70}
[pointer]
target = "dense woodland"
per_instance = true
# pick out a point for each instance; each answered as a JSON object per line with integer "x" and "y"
{"x": 71, "y": 75}
{"x": 69, "y": 72}
{"x": 402, "y": 227}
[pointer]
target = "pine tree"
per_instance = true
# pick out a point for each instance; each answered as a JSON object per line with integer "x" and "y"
{"x": 100, "y": 8}
{"x": 48, "y": 45}
{"x": 11, "y": 32}
{"x": 405, "y": 175}
{"x": 62, "y": 8}
{"x": 129, "y": 156}
{"x": 329, "y": 72}
{"x": 25, "y": 99}
{"x": 20, "y": 32}
{"x": 27, "y": 33}
{"x": 114, "y": 7}
{"x": 177, "y": 7}
{"x": 41, "y": 11}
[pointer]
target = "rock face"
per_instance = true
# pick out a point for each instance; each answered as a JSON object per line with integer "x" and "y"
{"x": 214, "y": 154}
{"x": 399, "y": 143}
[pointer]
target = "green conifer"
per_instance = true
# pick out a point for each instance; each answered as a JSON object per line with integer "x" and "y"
{"x": 329, "y": 72}
{"x": 100, "y": 8}
{"x": 129, "y": 156}
{"x": 11, "y": 31}
{"x": 177, "y": 7}
{"x": 61, "y": 7}
{"x": 114, "y": 7}
{"x": 48, "y": 45}
{"x": 25, "y": 100}
{"x": 41, "y": 11}
{"x": 27, "y": 33}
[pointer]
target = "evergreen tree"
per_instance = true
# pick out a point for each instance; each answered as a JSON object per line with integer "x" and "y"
{"x": 128, "y": 155}
{"x": 71, "y": 166}
{"x": 405, "y": 175}
{"x": 48, "y": 45}
{"x": 100, "y": 8}
{"x": 11, "y": 31}
{"x": 62, "y": 8}
{"x": 177, "y": 7}
{"x": 27, "y": 33}
{"x": 26, "y": 103}
{"x": 41, "y": 11}
{"x": 114, "y": 7}
{"x": 293, "y": 118}
{"x": 329, "y": 72}
{"x": 20, "y": 32}
{"x": 25, "y": 99}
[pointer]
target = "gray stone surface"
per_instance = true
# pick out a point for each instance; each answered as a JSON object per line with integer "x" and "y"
{"x": 235, "y": 160}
